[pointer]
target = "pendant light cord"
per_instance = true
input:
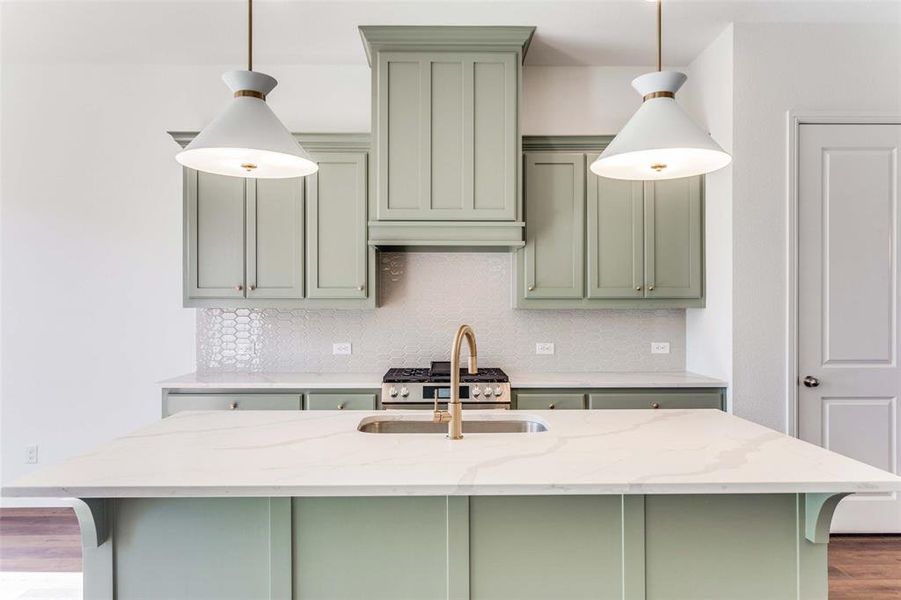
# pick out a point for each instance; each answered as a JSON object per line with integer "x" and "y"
{"x": 659, "y": 35}
{"x": 250, "y": 35}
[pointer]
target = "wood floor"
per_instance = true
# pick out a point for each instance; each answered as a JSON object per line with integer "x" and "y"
{"x": 47, "y": 539}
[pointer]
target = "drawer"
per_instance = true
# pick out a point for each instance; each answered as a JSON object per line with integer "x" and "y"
{"x": 340, "y": 402}
{"x": 179, "y": 402}
{"x": 646, "y": 399}
{"x": 550, "y": 401}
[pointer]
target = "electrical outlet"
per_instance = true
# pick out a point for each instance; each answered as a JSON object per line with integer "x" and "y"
{"x": 659, "y": 347}
{"x": 341, "y": 348}
{"x": 544, "y": 348}
{"x": 31, "y": 455}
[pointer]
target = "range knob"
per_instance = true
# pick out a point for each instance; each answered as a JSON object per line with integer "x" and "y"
{"x": 497, "y": 390}
{"x": 476, "y": 391}
{"x": 404, "y": 392}
{"x": 392, "y": 391}
{"x": 487, "y": 392}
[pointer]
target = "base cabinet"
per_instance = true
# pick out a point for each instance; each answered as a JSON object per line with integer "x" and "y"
{"x": 632, "y": 547}
{"x": 613, "y": 399}
{"x": 174, "y": 403}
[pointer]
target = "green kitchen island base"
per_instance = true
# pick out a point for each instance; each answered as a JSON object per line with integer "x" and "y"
{"x": 630, "y": 547}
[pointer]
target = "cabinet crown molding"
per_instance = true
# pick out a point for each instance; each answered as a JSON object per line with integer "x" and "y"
{"x": 565, "y": 143}
{"x": 378, "y": 38}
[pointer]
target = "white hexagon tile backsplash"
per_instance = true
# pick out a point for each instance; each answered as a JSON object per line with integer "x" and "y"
{"x": 424, "y": 297}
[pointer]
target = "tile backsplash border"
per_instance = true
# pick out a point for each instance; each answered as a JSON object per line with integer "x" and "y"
{"x": 423, "y": 297}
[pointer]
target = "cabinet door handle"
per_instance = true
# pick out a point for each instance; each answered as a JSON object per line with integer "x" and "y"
{"x": 551, "y": 406}
{"x": 341, "y": 406}
{"x": 239, "y": 287}
{"x": 253, "y": 287}
{"x": 651, "y": 287}
{"x": 360, "y": 288}
{"x": 655, "y": 405}
{"x": 233, "y": 406}
{"x": 531, "y": 288}
{"x": 637, "y": 288}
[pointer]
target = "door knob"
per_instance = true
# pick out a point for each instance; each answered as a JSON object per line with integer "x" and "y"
{"x": 811, "y": 382}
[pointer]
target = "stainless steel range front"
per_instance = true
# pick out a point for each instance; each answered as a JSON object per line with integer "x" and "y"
{"x": 418, "y": 388}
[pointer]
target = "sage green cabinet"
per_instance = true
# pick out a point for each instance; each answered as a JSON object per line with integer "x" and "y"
{"x": 620, "y": 398}
{"x": 549, "y": 401}
{"x": 673, "y": 238}
{"x": 214, "y": 244}
{"x": 447, "y": 143}
{"x": 298, "y": 242}
{"x": 333, "y": 401}
{"x": 593, "y": 242}
{"x": 555, "y": 214}
{"x": 615, "y": 228}
{"x": 244, "y": 237}
{"x": 274, "y": 238}
{"x": 336, "y": 226}
{"x": 173, "y": 403}
{"x": 672, "y": 398}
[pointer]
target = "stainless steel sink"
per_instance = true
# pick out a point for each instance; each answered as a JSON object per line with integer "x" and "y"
{"x": 408, "y": 425}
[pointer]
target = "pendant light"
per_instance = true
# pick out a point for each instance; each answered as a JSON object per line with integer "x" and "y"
{"x": 660, "y": 141}
{"x": 247, "y": 139}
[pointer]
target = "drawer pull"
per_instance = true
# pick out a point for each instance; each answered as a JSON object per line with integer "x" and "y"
{"x": 551, "y": 406}
{"x": 233, "y": 406}
{"x": 341, "y": 406}
{"x": 655, "y": 405}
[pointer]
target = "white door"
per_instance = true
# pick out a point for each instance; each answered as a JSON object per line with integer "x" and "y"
{"x": 848, "y": 271}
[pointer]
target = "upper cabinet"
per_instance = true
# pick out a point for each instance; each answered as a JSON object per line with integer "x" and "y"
{"x": 282, "y": 242}
{"x": 445, "y": 127}
{"x": 603, "y": 243}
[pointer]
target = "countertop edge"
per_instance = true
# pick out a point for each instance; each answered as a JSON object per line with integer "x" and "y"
{"x": 438, "y": 490}
{"x": 588, "y": 380}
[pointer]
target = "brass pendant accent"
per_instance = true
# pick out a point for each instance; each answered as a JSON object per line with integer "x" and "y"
{"x": 250, "y": 94}
{"x": 653, "y": 95}
{"x": 658, "y": 167}
{"x": 248, "y": 167}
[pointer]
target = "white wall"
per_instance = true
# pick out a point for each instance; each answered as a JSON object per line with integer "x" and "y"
{"x": 578, "y": 100}
{"x": 91, "y": 237}
{"x": 708, "y": 97}
{"x": 779, "y": 67}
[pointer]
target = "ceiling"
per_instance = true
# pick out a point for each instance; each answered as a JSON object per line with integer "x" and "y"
{"x": 570, "y": 32}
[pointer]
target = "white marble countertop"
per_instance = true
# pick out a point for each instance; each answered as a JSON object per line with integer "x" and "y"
{"x": 321, "y": 453}
{"x": 598, "y": 379}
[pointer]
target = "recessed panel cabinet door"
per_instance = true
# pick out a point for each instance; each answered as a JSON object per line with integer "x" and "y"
{"x": 336, "y": 226}
{"x": 275, "y": 238}
{"x": 214, "y": 241}
{"x": 672, "y": 240}
{"x": 615, "y": 238}
{"x": 555, "y": 209}
{"x": 447, "y": 136}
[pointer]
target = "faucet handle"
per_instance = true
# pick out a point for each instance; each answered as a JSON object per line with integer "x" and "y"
{"x": 439, "y": 416}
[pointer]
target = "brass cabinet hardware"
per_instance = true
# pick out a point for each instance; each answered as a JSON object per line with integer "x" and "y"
{"x": 233, "y": 406}
{"x": 651, "y": 287}
{"x": 239, "y": 287}
{"x": 551, "y": 406}
{"x": 655, "y": 405}
{"x": 637, "y": 288}
{"x": 531, "y": 288}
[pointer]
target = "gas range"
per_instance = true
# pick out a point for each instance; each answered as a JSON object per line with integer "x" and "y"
{"x": 418, "y": 387}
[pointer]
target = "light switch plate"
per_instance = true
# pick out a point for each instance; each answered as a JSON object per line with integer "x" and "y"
{"x": 341, "y": 348}
{"x": 544, "y": 348}
{"x": 659, "y": 347}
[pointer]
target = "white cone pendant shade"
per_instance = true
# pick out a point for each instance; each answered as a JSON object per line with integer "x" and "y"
{"x": 247, "y": 139}
{"x": 660, "y": 141}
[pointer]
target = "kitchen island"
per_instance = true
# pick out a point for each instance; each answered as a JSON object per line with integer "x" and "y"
{"x": 633, "y": 504}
